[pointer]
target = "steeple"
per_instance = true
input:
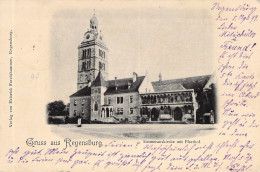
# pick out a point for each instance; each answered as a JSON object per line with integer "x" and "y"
{"x": 94, "y": 22}
{"x": 92, "y": 56}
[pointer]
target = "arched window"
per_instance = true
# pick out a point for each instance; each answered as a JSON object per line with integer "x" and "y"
{"x": 95, "y": 106}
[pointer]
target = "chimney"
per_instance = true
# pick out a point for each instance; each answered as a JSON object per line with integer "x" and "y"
{"x": 134, "y": 76}
{"x": 160, "y": 76}
{"x": 115, "y": 78}
{"x": 89, "y": 83}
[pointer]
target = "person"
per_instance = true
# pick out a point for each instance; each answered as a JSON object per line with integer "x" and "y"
{"x": 79, "y": 121}
{"x": 212, "y": 117}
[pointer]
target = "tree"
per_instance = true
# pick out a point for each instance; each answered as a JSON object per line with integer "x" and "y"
{"x": 56, "y": 108}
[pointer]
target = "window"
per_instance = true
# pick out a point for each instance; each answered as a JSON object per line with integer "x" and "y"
{"x": 100, "y": 65}
{"x": 131, "y": 99}
{"x": 109, "y": 100}
{"x": 119, "y": 100}
{"x": 88, "y": 52}
{"x": 84, "y": 66}
{"x": 75, "y": 102}
{"x": 120, "y": 111}
{"x": 82, "y": 111}
{"x": 88, "y": 64}
{"x": 131, "y": 110}
{"x": 75, "y": 113}
{"x": 84, "y": 54}
{"x": 82, "y": 102}
{"x": 95, "y": 106}
{"x": 102, "y": 54}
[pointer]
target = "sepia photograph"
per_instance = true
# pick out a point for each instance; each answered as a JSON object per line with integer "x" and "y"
{"x": 115, "y": 67}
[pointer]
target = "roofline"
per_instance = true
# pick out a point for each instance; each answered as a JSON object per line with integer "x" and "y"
{"x": 123, "y": 78}
{"x": 121, "y": 93}
{"x": 186, "y": 90}
{"x": 80, "y": 96}
{"x": 182, "y": 78}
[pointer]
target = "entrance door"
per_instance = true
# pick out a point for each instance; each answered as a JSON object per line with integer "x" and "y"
{"x": 107, "y": 112}
{"x": 177, "y": 114}
{"x": 155, "y": 114}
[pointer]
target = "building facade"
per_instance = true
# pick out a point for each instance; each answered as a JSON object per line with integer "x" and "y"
{"x": 132, "y": 99}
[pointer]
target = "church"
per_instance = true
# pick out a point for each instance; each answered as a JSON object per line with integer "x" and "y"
{"x": 134, "y": 99}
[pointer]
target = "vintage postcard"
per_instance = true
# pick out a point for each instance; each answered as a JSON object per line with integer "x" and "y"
{"x": 138, "y": 86}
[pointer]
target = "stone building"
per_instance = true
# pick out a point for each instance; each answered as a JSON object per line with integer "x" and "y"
{"x": 98, "y": 99}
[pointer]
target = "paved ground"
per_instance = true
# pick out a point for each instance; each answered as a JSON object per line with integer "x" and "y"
{"x": 132, "y": 131}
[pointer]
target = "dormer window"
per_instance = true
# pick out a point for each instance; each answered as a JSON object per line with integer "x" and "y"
{"x": 116, "y": 86}
{"x": 129, "y": 85}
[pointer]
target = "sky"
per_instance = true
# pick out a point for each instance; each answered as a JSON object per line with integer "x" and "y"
{"x": 174, "y": 41}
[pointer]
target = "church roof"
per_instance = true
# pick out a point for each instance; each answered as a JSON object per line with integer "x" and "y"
{"x": 99, "y": 81}
{"x": 122, "y": 85}
{"x": 86, "y": 91}
{"x": 197, "y": 83}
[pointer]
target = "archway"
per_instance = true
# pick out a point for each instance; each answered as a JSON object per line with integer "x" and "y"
{"x": 177, "y": 114}
{"x": 102, "y": 113}
{"x": 155, "y": 114}
{"x": 107, "y": 112}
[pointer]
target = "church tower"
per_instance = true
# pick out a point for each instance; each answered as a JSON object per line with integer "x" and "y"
{"x": 92, "y": 56}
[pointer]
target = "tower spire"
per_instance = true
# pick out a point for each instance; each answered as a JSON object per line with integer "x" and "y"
{"x": 94, "y": 22}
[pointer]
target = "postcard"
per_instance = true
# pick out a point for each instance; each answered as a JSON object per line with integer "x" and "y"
{"x": 142, "y": 86}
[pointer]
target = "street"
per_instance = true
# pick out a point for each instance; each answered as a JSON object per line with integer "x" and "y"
{"x": 132, "y": 131}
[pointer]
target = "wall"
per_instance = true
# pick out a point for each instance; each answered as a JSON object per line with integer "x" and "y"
{"x": 97, "y": 95}
{"x": 78, "y": 107}
{"x": 126, "y": 105}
